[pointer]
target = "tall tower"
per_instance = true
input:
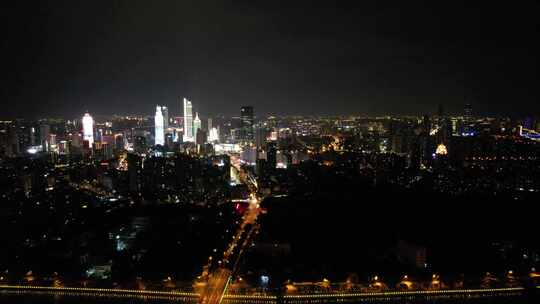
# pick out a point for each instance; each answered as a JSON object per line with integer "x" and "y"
{"x": 88, "y": 129}
{"x": 44, "y": 135}
{"x": 158, "y": 124}
{"x": 196, "y": 124}
{"x": 271, "y": 155}
{"x": 165, "y": 112}
{"x": 468, "y": 110}
{"x": 188, "y": 121}
{"x": 246, "y": 123}
{"x": 443, "y": 126}
{"x": 213, "y": 135}
{"x": 467, "y": 119}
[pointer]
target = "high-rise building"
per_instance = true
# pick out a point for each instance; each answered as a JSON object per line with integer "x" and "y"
{"x": 159, "y": 135}
{"x": 209, "y": 125}
{"x": 24, "y": 136}
{"x": 261, "y": 133}
{"x": 236, "y": 135}
{"x": 139, "y": 143}
{"x": 52, "y": 139}
{"x": 107, "y": 150}
{"x": 213, "y": 135}
{"x": 9, "y": 142}
{"x": 134, "y": 172}
{"x": 196, "y": 124}
{"x": 169, "y": 140}
{"x": 246, "y": 124}
{"x": 44, "y": 133}
{"x": 63, "y": 147}
{"x": 467, "y": 120}
{"x": 119, "y": 142}
{"x": 165, "y": 112}
{"x": 468, "y": 111}
{"x": 33, "y": 136}
{"x": 88, "y": 129}
{"x": 201, "y": 137}
{"x": 188, "y": 121}
{"x": 271, "y": 155}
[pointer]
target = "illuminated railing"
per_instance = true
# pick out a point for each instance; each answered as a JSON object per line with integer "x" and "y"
{"x": 407, "y": 293}
{"x": 134, "y": 292}
{"x": 253, "y": 298}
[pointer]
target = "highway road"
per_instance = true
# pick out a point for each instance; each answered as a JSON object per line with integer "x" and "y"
{"x": 242, "y": 239}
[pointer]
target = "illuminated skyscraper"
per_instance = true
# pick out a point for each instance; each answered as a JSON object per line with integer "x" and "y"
{"x": 213, "y": 135}
{"x": 88, "y": 129}
{"x": 44, "y": 134}
{"x": 188, "y": 121}
{"x": 468, "y": 111}
{"x": 246, "y": 124}
{"x": 159, "y": 132}
{"x": 468, "y": 120}
{"x": 165, "y": 112}
{"x": 196, "y": 124}
{"x": 261, "y": 133}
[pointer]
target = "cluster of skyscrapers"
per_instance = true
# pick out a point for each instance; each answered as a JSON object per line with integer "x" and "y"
{"x": 163, "y": 130}
{"x": 192, "y": 131}
{"x": 190, "y": 125}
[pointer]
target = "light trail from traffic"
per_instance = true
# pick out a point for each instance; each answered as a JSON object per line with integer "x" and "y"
{"x": 220, "y": 278}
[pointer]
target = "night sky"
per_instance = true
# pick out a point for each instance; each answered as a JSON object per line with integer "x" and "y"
{"x": 60, "y": 58}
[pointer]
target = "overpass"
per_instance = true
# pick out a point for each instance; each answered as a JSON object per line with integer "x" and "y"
{"x": 342, "y": 297}
{"x": 528, "y": 133}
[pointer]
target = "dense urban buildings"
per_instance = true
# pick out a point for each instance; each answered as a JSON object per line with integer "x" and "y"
{"x": 314, "y": 196}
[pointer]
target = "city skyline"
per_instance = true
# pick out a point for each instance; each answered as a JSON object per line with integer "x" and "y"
{"x": 271, "y": 152}
{"x": 271, "y": 206}
{"x": 468, "y": 110}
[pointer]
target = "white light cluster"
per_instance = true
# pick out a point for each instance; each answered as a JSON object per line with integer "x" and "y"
{"x": 159, "y": 136}
{"x": 88, "y": 129}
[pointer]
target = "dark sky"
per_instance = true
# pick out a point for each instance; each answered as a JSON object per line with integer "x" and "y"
{"x": 310, "y": 57}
